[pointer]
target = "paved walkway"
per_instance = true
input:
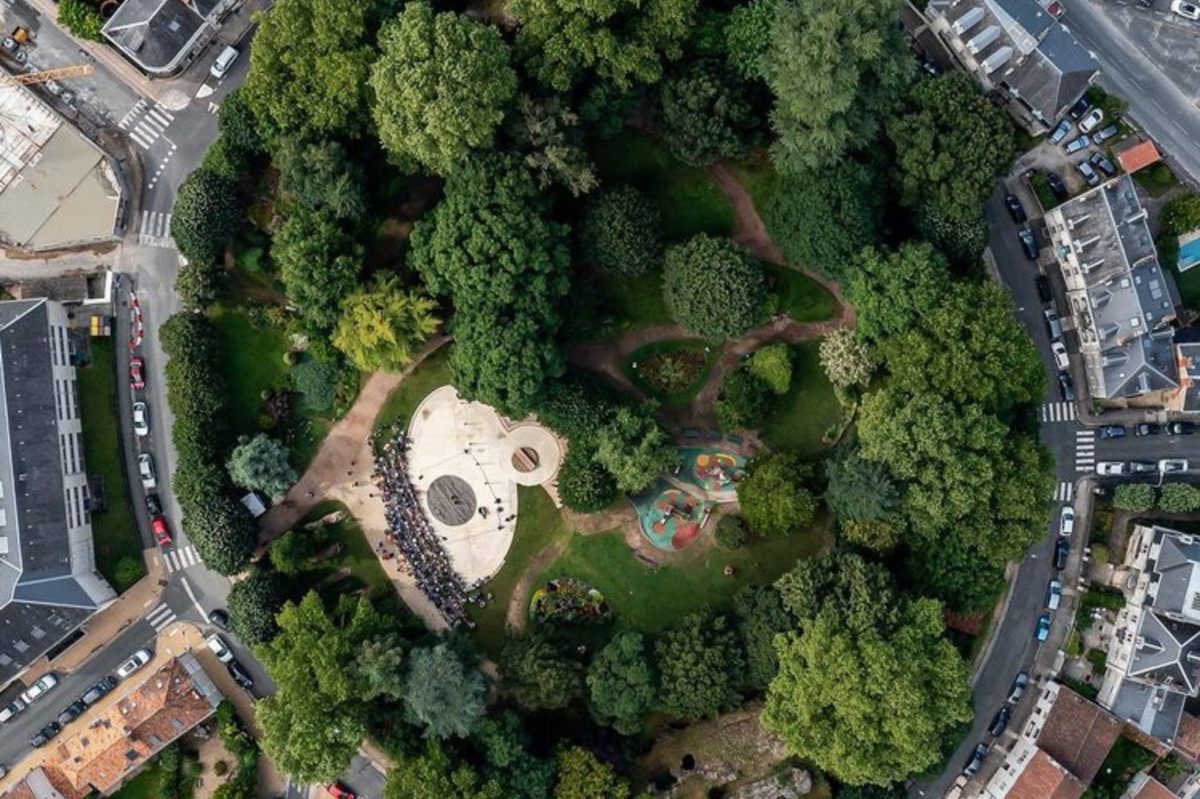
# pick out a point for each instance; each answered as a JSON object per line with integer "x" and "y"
{"x": 342, "y": 470}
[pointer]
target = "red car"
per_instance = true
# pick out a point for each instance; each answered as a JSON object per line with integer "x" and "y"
{"x": 162, "y": 533}
{"x": 338, "y": 792}
{"x": 136, "y": 373}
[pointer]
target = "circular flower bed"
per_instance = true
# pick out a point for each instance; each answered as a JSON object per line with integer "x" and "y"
{"x": 567, "y": 601}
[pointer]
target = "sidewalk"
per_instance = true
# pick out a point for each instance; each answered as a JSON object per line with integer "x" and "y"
{"x": 105, "y": 625}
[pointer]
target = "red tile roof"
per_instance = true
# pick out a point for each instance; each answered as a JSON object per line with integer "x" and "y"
{"x": 1042, "y": 778}
{"x": 1187, "y": 738}
{"x": 1078, "y": 734}
{"x": 1139, "y": 156}
{"x": 1153, "y": 789}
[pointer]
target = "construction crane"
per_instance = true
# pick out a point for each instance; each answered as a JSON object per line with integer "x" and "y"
{"x": 44, "y": 75}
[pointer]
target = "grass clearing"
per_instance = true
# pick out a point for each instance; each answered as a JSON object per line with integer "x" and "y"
{"x": 671, "y": 371}
{"x": 147, "y": 785}
{"x": 357, "y": 557}
{"x": 690, "y": 202}
{"x": 433, "y": 372}
{"x": 801, "y": 297}
{"x": 635, "y": 301}
{"x": 114, "y": 530}
{"x": 801, "y": 417}
{"x": 759, "y": 178}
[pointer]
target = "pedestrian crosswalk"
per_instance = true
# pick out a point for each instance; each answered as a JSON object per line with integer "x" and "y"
{"x": 1085, "y": 450}
{"x": 155, "y": 229}
{"x": 145, "y": 123}
{"x": 161, "y": 617}
{"x": 1065, "y": 492}
{"x": 1058, "y": 412}
{"x": 181, "y": 558}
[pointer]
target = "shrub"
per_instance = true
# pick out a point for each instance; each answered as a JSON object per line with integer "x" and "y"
{"x": 199, "y": 284}
{"x": 583, "y": 484}
{"x": 129, "y": 570}
{"x": 732, "y": 532}
{"x": 81, "y": 19}
{"x": 1135, "y": 497}
{"x": 1179, "y": 497}
{"x": 745, "y": 401}
{"x": 220, "y": 768}
{"x": 621, "y": 232}
{"x": 772, "y": 364}
{"x": 712, "y": 287}
{"x": 206, "y": 215}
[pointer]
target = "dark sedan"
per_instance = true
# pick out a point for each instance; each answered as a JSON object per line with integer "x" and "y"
{"x": 1145, "y": 429}
{"x": 1017, "y": 211}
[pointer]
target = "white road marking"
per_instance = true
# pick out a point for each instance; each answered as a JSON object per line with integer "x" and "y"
{"x": 188, "y": 587}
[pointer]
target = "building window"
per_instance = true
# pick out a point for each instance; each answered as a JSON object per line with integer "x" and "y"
{"x": 79, "y": 447}
{"x": 71, "y": 388}
{"x": 70, "y": 508}
{"x": 58, "y": 401}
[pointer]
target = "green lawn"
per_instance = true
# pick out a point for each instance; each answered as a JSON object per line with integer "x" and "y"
{"x": 690, "y": 202}
{"x": 684, "y": 395}
{"x": 802, "y": 416}
{"x": 636, "y": 301}
{"x": 1157, "y": 179}
{"x": 357, "y": 556}
{"x": 1189, "y": 286}
{"x": 649, "y": 600}
{"x": 433, "y": 372}
{"x": 801, "y": 297}
{"x": 114, "y": 530}
{"x": 539, "y": 524}
{"x": 147, "y": 785}
{"x": 759, "y": 178}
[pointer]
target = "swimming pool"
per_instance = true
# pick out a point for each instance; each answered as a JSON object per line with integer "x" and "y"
{"x": 1189, "y": 251}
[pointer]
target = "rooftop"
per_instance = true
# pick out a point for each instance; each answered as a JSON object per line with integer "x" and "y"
{"x": 1043, "y": 778}
{"x": 1153, "y": 789}
{"x": 1139, "y": 156}
{"x": 1187, "y": 737}
{"x": 1078, "y": 734}
{"x": 157, "y": 34}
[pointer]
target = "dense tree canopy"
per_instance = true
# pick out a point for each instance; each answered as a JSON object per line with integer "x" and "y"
{"x": 712, "y": 287}
{"x": 706, "y": 113}
{"x": 253, "y": 603}
{"x": 621, "y": 683}
{"x": 760, "y": 616}
{"x": 206, "y": 215}
{"x": 441, "y": 86}
{"x": 261, "y": 464}
{"x": 320, "y": 176}
{"x": 443, "y": 695}
{"x": 621, "y": 232}
{"x": 582, "y": 776}
{"x": 801, "y": 210}
{"x": 539, "y": 675}
{"x": 859, "y": 489}
{"x": 848, "y": 361}
{"x": 634, "y": 448}
{"x": 584, "y": 485}
{"x": 700, "y": 666}
{"x": 319, "y": 265}
{"x": 891, "y": 290}
{"x": 745, "y": 401}
{"x": 434, "y": 775}
{"x": 827, "y": 104}
{"x": 382, "y": 326}
{"x": 309, "y": 66}
{"x": 774, "y": 497}
{"x": 622, "y": 41}
{"x": 772, "y": 364}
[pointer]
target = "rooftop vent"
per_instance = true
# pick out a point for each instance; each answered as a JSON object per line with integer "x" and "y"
{"x": 967, "y": 21}
{"x": 983, "y": 39}
{"x": 1075, "y": 221}
{"x": 1134, "y": 218}
{"x": 1101, "y": 297}
{"x": 1109, "y": 330}
{"x": 1083, "y": 244}
{"x": 997, "y": 59}
{"x": 1092, "y": 266}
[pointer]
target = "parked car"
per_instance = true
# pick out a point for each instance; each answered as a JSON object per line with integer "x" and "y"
{"x": 1042, "y": 631}
{"x": 1062, "y": 551}
{"x": 1061, "y": 131}
{"x": 71, "y": 712}
{"x": 1052, "y": 324}
{"x": 1106, "y": 133}
{"x": 1057, "y": 186}
{"x": 1091, "y": 121}
{"x": 1090, "y": 176}
{"x": 999, "y": 721}
{"x": 137, "y": 373}
{"x": 39, "y": 688}
{"x": 219, "y": 648}
{"x": 976, "y": 761}
{"x": 1054, "y": 594}
{"x": 1017, "y": 211}
{"x": 141, "y": 419}
{"x": 1146, "y": 429}
{"x": 162, "y": 532}
{"x": 1066, "y": 388}
{"x": 146, "y": 471}
{"x": 12, "y": 710}
{"x": 220, "y": 619}
{"x": 1078, "y": 143}
{"x": 1028, "y": 243}
{"x": 1172, "y": 465}
{"x": 136, "y": 661}
{"x": 223, "y": 62}
{"x": 1066, "y": 520}
{"x": 1101, "y": 162}
{"x": 1059, "y": 351}
{"x": 1080, "y": 108}
{"x": 1020, "y": 683}
{"x": 45, "y": 734}
{"x": 1181, "y": 428}
{"x": 153, "y": 505}
{"x": 338, "y": 791}
{"x": 1042, "y": 284}
{"x": 1112, "y": 431}
{"x": 239, "y": 674}
{"x": 1110, "y": 468}
{"x": 1185, "y": 9}
{"x": 99, "y": 690}
{"x": 1142, "y": 467}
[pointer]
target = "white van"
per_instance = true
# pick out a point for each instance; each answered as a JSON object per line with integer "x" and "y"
{"x": 224, "y": 62}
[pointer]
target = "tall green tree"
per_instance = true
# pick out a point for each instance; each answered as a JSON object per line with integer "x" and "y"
{"x": 538, "y": 674}
{"x": 434, "y": 775}
{"x": 622, "y": 232}
{"x": 706, "y": 113}
{"x": 253, "y": 605}
{"x": 774, "y": 495}
{"x": 891, "y": 291}
{"x": 206, "y": 215}
{"x": 261, "y": 463}
{"x": 319, "y": 264}
{"x": 621, "y": 683}
{"x": 700, "y": 664}
{"x": 309, "y": 68}
{"x": 848, "y": 361}
{"x": 621, "y": 41}
{"x": 382, "y": 326}
{"x": 859, "y": 489}
{"x": 321, "y": 176}
{"x": 582, "y": 776}
{"x": 443, "y": 695}
{"x": 584, "y": 485}
{"x": 441, "y": 85}
{"x": 760, "y": 616}
{"x": 837, "y": 69}
{"x": 712, "y": 287}
{"x": 634, "y": 448}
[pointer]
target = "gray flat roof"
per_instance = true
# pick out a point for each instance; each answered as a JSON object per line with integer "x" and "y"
{"x": 156, "y": 33}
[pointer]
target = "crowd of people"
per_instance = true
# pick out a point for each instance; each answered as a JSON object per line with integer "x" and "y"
{"x": 414, "y": 536}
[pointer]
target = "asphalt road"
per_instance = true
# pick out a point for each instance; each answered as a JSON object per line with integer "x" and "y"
{"x": 1130, "y": 67}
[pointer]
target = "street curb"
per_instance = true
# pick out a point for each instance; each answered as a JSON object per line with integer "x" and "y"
{"x": 998, "y": 618}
